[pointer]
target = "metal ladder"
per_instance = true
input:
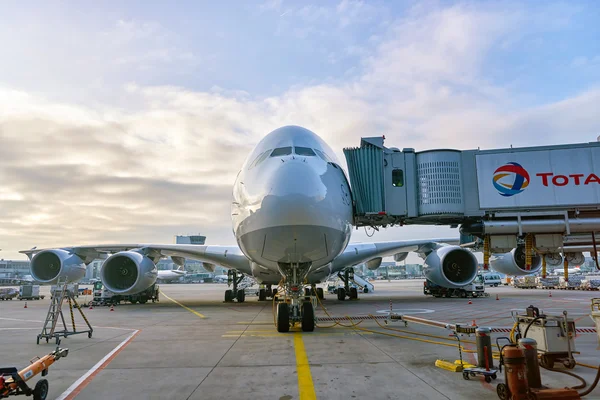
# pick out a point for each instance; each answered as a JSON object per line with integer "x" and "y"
{"x": 55, "y": 312}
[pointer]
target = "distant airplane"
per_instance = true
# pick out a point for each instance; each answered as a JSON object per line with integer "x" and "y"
{"x": 574, "y": 271}
{"x": 292, "y": 214}
{"x": 170, "y": 274}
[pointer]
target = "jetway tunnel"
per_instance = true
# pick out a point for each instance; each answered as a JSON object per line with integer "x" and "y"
{"x": 542, "y": 200}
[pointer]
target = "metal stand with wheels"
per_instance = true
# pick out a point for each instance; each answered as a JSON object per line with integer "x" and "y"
{"x": 55, "y": 312}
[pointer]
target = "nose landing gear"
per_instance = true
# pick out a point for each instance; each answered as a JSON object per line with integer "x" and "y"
{"x": 293, "y": 305}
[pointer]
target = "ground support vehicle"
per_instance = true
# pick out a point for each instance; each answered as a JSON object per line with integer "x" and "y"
{"x": 525, "y": 282}
{"x": 30, "y": 292}
{"x": 590, "y": 284}
{"x": 104, "y": 297}
{"x": 555, "y": 335}
{"x": 550, "y": 282}
{"x": 573, "y": 283}
{"x": 8, "y": 293}
{"x": 475, "y": 289}
{"x": 72, "y": 288}
{"x": 14, "y": 383}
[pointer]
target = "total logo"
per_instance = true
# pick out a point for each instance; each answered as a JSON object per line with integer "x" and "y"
{"x": 512, "y": 178}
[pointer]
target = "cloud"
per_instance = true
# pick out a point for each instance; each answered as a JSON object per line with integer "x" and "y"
{"x": 76, "y": 173}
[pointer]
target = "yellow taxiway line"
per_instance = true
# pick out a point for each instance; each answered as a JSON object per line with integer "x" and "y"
{"x": 181, "y": 305}
{"x": 306, "y": 388}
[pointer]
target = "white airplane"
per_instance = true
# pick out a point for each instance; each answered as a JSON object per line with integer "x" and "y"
{"x": 170, "y": 274}
{"x": 572, "y": 271}
{"x": 292, "y": 214}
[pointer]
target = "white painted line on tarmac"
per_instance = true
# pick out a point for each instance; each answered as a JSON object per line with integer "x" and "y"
{"x": 95, "y": 327}
{"x": 409, "y": 311}
{"x": 76, "y": 387}
{"x": 16, "y": 329}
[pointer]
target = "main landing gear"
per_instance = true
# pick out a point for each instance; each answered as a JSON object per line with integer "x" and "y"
{"x": 294, "y": 306}
{"x": 263, "y": 293}
{"x": 351, "y": 292}
{"x": 233, "y": 278}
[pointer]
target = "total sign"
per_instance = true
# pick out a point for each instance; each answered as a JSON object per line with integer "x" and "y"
{"x": 543, "y": 178}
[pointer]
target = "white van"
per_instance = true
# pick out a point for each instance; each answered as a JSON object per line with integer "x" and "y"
{"x": 492, "y": 279}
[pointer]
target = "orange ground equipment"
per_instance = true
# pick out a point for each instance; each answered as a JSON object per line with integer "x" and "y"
{"x": 13, "y": 382}
{"x": 515, "y": 374}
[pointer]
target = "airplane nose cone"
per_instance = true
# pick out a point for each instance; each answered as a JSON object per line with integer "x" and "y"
{"x": 297, "y": 195}
{"x": 302, "y": 216}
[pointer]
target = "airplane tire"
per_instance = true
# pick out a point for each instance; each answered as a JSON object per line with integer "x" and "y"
{"x": 320, "y": 293}
{"x": 341, "y": 294}
{"x": 353, "y": 293}
{"x": 241, "y": 296}
{"x": 228, "y": 295}
{"x": 308, "y": 317}
{"x": 262, "y": 295}
{"x": 283, "y": 317}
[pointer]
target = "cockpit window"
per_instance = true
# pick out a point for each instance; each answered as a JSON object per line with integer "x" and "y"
{"x": 323, "y": 155}
{"x": 304, "y": 151}
{"x": 281, "y": 151}
{"x": 260, "y": 158}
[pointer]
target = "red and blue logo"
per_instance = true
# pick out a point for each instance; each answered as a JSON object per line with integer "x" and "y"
{"x": 511, "y": 179}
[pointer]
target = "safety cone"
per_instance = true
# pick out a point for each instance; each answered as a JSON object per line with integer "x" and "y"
{"x": 25, "y": 305}
{"x": 470, "y": 302}
{"x": 112, "y": 307}
{"x": 473, "y": 323}
{"x": 550, "y": 293}
{"x": 497, "y": 298}
{"x": 91, "y": 306}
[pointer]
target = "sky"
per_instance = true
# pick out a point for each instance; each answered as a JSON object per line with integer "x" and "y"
{"x": 128, "y": 121}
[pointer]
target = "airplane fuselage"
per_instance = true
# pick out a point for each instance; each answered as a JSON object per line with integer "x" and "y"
{"x": 291, "y": 204}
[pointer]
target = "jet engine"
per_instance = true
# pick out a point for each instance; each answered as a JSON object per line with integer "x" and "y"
{"x": 554, "y": 259}
{"x": 400, "y": 257}
{"x": 128, "y": 272}
{"x": 575, "y": 259}
{"x": 374, "y": 263}
{"x": 49, "y": 265}
{"x": 209, "y": 267}
{"x": 513, "y": 262}
{"x": 450, "y": 266}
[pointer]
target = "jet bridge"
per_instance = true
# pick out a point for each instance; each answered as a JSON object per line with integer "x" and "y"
{"x": 542, "y": 200}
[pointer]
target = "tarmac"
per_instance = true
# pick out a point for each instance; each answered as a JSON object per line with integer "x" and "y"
{"x": 192, "y": 345}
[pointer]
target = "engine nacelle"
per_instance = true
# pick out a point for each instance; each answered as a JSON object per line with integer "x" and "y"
{"x": 49, "y": 265}
{"x": 128, "y": 272}
{"x": 513, "y": 262}
{"x": 398, "y": 257}
{"x": 209, "y": 267}
{"x": 451, "y": 266}
{"x": 374, "y": 263}
{"x": 553, "y": 259}
{"x": 575, "y": 259}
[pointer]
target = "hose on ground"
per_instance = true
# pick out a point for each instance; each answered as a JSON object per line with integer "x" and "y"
{"x": 589, "y": 390}
{"x": 583, "y": 382}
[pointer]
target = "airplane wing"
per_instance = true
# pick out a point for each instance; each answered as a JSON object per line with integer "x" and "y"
{"x": 358, "y": 253}
{"x": 227, "y": 256}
